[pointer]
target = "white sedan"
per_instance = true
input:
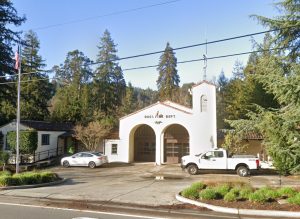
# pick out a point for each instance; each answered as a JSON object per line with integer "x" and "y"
{"x": 91, "y": 159}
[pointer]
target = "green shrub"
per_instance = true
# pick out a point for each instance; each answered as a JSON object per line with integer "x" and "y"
{"x": 28, "y": 141}
{"x": 270, "y": 193}
{"x": 223, "y": 189}
{"x": 294, "y": 199}
{"x": 209, "y": 194}
{"x": 198, "y": 186}
{"x": 191, "y": 193}
{"x": 286, "y": 192}
{"x": 9, "y": 181}
{"x": 29, "y": 178}
{"x": 48, "y": 177}
{"x": 264, "y": 194}
{"x": 5, "y": 173}
{"x": 236, "y": 190}
{"x": 258, "y": 196}
{"x": 231, "y": 196}
{"x": 245, "y": 192}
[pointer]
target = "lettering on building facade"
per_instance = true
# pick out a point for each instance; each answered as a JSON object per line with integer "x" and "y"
{"x": 158, "y": 115}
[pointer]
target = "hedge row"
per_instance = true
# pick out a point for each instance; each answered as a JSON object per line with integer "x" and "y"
{"x": 27, "y": 178}
{"x": 240, "y": 192}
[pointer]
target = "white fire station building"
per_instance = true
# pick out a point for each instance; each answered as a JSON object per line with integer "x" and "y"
{"x": 165, "y": 131}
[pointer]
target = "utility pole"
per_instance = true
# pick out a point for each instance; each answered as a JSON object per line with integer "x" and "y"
{"x": 18, "y": 108}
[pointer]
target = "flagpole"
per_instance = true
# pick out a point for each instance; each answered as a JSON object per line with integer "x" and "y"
{"x": 18, "y": 111}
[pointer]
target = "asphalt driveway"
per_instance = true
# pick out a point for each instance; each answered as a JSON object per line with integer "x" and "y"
{"x": 144, "y": 184}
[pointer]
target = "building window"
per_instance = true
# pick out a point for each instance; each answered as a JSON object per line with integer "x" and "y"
{"x": 7, "y": 146}
{"x": 203, "y": 102}
{"x": 1, "y": 140}
{"x": 114, "y": 149}
{"x": 45, "y": 139}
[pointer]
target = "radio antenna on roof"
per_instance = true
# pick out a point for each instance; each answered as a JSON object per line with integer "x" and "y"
{"x": 205, "y": 62}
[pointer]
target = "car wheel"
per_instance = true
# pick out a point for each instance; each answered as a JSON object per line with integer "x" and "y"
{"x": 66, "y": 163}
{"x": 242, "y": 171}
{"x": 92, "y": 164}
{"x": 192, "y": 169}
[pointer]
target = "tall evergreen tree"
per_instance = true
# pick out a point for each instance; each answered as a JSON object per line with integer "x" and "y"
{"x": 222, "y": 83}
{"x": 72, "y": 101}
{"x": 109, "y": 85}
{"x": 129, "y": 104}
{"x": 36, "y": 93}
{"x": 238, "y": 70}
{"x": 288, "y": 27}
{"x": 168, "y": 79}
{"x": 8, "y": 37}
{"x": 280, "y": 76}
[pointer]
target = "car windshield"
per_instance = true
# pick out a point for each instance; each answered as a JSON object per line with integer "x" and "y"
{"x": 97, "y": 153}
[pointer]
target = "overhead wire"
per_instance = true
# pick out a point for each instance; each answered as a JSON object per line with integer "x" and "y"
{"x": 174, "y": 49}
{"x": 181, "y": 62}
{"x": 105, "y": 15}
{"x": 196, "y": 45}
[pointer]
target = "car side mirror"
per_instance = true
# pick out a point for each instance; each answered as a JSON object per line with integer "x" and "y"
{"x": 205, "y": 157}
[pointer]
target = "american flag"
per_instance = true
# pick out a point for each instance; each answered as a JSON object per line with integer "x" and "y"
{"x": 17, "y": 58}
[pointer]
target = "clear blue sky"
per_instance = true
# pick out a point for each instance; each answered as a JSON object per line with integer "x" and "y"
{"x": 181, "y": 23}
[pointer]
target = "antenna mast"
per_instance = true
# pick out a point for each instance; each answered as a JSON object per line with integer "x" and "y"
{"x": 205, "y": 62}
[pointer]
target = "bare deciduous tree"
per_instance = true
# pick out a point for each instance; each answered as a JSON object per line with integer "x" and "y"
{"x": 92, "y": 134}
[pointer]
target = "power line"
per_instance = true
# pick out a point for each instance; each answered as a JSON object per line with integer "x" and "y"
{"x": 181, "y": 62}
{"x": 106, "y": 15}
{"x": 207, "y": 58}
{"x": 178, "y": 48}
{"x": 196, "y": 45}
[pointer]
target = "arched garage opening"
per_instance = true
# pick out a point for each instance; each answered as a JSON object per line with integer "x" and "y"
{"x": 176, "y": 143}
{"x": 144, "y": 144}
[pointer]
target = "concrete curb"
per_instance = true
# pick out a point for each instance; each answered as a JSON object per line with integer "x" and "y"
{"x": 239, "y": 211}
{"x": 35, "y": 186}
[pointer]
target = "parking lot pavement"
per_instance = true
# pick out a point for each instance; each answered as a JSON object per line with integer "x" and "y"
{"x": 144, "y": 184}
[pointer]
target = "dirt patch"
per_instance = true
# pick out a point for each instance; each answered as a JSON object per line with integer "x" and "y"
{"x": 183, "y": 206}
{"x": 107, "y": 206}
{"x": 258, "y": 206}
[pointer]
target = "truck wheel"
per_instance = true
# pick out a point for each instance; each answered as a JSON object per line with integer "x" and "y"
{"x": 242, "y": 171}
{"x": 192, "y": 169}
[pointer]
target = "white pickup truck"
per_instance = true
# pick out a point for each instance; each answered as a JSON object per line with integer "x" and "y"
{"x": 218, "y": 159}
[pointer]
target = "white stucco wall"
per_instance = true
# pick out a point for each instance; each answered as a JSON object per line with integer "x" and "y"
{"x": 201, "y": 126}
{"x": 45, "y": 151}
{"x": 108, "y": 152}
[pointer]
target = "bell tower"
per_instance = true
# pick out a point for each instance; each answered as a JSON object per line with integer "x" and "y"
{"x": 204, "y": 112}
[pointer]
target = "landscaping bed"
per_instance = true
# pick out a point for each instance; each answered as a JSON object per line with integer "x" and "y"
{"x": 26, "y": 178}
{"x": 242, "y": 196}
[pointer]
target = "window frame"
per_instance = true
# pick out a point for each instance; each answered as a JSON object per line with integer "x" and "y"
{"x": 203, "y": 103}
{"x": 114, "y": 151}
{"x": 43, "y": 143}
